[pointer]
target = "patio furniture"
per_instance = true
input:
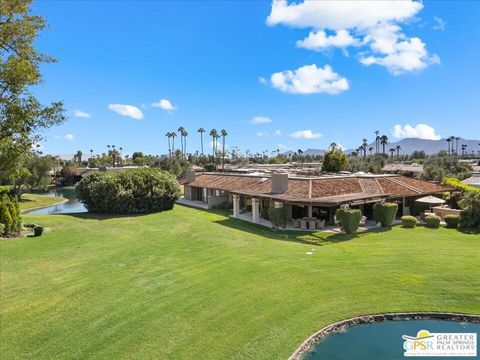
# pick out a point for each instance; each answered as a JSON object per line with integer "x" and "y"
{"x": 296, "y": 223}
{"x": 363, "y": 220}
{"x": 303, "y": 224}
{"x": 320, "y": 224}
{"x": 311, "y": 224}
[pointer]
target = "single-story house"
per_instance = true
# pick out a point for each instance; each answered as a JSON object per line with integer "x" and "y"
{"x": 317, "y": 197}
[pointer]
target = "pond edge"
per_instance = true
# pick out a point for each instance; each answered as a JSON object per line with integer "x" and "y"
{"x": 312, "y": 340}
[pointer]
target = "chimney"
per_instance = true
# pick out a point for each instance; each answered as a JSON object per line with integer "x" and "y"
{"x": 190, "y": 176}
{"x": 279, "y": 183}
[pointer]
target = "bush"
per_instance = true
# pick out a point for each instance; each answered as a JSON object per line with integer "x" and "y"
{"x": 9, "y": 215}
{"x": 209, "y": 167}
{"x": 278, "y": 217}
{"x": 264, "y": 213}
{"x": 452, "y": 221}
{"x": 409, "y": 221}
{"x": 432, "y": 221}
{"x": 460, "y": 186}
{"x": 131, "y": 192}
{"x": 470, "y": 216}
{"x": 385, "y": 213}
{"x": 2, "y": 229}
{"x": 349, "y": 219}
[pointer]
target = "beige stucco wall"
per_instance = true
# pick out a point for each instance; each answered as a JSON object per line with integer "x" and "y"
{"x": 445, "y": 211}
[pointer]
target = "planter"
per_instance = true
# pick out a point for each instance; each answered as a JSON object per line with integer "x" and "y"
{"x": 38, "y": 231}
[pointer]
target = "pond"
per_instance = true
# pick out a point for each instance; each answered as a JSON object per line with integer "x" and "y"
{"x": 383, "y": 340}
{"x": 73, "y": 205}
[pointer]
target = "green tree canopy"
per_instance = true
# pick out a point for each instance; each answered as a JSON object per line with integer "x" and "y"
{"x": 334, "y": 161}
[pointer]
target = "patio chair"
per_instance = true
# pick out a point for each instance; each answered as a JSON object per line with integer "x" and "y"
{"x": 296, "y": 223}
{"x": 320, "y": 224}
{"x": 363, "y": 220}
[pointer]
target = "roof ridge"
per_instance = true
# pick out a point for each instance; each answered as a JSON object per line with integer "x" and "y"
{"x": 360, "y": 183}
{"x": 379, "y": 185}
{"x": 396, "y": 181}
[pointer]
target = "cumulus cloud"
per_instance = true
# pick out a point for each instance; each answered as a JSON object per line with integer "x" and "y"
{"x": 68, "y": 136}
{"x": 319, "y": 40}
{"x": 421, "y": 131}
{"x": 374, "y": 27}
{"x": 260, "y": 120}
{"x": 164, "y": 104}
{"x": 305, "y": 134}
{"x": 81, "y": 114}
{"x": 127, "y": 110}
{"x": 309, "y": 79}
{"x": 439, "y": 24}
{"x": 262, "y": 80}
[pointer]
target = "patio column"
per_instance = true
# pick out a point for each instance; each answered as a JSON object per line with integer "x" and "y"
{"x": 310, "y": 211}
{"x": 255, "y": 210}
{"x": 236, "y": 205}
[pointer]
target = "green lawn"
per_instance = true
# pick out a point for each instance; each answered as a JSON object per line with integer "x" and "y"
{"x": 33, "y": 201}
{"x": 191, "y": 284}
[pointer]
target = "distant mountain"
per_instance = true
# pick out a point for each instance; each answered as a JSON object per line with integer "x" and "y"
{"x": 409, "y": 145}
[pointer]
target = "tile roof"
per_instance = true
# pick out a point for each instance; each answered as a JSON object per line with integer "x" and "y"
{"x": 320, "y": 190}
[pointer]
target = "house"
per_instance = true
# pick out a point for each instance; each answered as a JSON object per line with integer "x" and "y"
{"x": 315, "y": 196}
{"x": 473, "y": 180}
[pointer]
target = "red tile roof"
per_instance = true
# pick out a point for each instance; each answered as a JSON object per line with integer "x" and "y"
{"x": 321, "y": 190}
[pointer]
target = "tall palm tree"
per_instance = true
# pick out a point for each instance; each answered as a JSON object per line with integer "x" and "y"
{"x": 79, "y": 157}
{"x": 456, "y": 144}
{"x": 185, "y": 134}
{"x": 370, "y": 149}
{"x": 392, "y": 150}
{"x": 173, "y": 134}
{"x": 121, "y": 152}
{"x": 364, "y": 147}
{"x": 384, "y": 142}
{"x": 333, "y": 146}
{"x": 201, "y": 131}
{"x": 91, "y": 152}
{"x": 449, "y": 140}
{"x": 377, "y": 141}
{"x": 169, "y": 135}
{"x": 398, "y": 148}
{"x": 223, "y": 133}
{"x": 213, "y": 134}
{"x": 181, "y": 129}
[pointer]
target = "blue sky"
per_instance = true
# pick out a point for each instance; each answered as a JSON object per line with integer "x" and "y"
{"x": 225, "y": 64}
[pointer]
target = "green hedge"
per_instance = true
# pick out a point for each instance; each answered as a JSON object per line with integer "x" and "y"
{"x": 264, "y": 213}
{"x": 385, "y": 213}
{"x": 432, "y": 221}
{"x": 409, "y": 221}
{"x": 348, "y": 219}
{"x": 451, "y": 221}
{"x": 278, "y": 217}
{"x": 131, "y": 192}
{"x": 9, "y": 215}
{"x": 470, "y": 216}
{"x": 460, "y": 186}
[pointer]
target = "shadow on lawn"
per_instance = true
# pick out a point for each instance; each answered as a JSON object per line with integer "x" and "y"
{"x": 304, "y": 237}
{"x": 100, "y": 216}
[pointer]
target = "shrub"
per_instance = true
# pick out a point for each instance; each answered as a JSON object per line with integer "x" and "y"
{"x": 452, "y": 221}
{"x": 385, "y": 213}
{"x": 409, "y": 221}
{"x": 349, "y": 219}
{"x": 278, "y": 217}
{"x": 209, "y": 167}
{"x": 131, "y": 192}
{"x": 9, "y": 215}
{"x": 264, "y": 213}
{"x": 2, "y": 228}
{"x": 470, "y": 216}
{"x": 432, "y": 221}
{"x": 460, "y": 186}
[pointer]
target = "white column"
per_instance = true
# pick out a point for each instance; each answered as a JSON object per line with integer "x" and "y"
{"x": 255, "y": 210}
{"x": 310, "y": 211}
{"x": 205, "y": 198}
{"x": 236, "y": 205}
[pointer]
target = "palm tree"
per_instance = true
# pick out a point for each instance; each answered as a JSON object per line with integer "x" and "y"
{"x": 173, "y": 134}
{"x": 370, "y": 149}
{"x": 79, "y": 157}
{"x": 213, "y": 134}
{"x": 377, "y": 141}
{"x": 169, "y": 135}
{"x": 392, "y": 150}
{"x": 384, "y": 141}
{"x": 333, "y": 146}
{"x": 121, "y": 150}
{"x": 180, "y": 130}
{"x": 456, "y": 145}
{"x": 185, "y": 134}
{"x": 449, "y": 140}
{"x": 364, "y": 147}
{"x": 223, "y": 133}
{"x": 201, "y": 131}
{"x": 398, "y": 148}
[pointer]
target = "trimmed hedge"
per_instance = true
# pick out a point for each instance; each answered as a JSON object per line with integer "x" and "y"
{"x": 432, "y": 221}
{"x": 409, "y": 221}
{"x": 9, "y": 215}
{"x": 131, "y": 192}
{"x": 348, "y": 219}
{"x": 460, "y": 186}
{"x": 278, "y": 217}
{"x": 385, "y": 213}
{"x": 264, "y": 213}
{"x": 451, "y": 221}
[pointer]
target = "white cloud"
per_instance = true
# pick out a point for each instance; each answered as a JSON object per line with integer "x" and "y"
{"x": 277, "y": 133}
{"x": 262, "y": 80}
{"x": 371, "y": 26}
{"x": 319, "y": 40}
{"x": 68, "y": 136}
{"x": 305, "y": 134}
{"x": 165, "y": 105}
{"x": 309, "y": 79}
{"x": 127, "y": 110}
{"x": 267, "y": 134}
{"x": 261, "y": 134}
{"x": 439, "y": 24}
{"x": 421, "y": 131}
{"x": 260, "y": 120}
{"x": 81, "y": 114}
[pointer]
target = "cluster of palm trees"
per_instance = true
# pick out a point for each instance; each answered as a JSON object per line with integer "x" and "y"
{"x": 381, "y": 141}
{"x": 183, "y": 136}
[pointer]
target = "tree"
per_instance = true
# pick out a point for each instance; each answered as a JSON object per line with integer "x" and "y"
{"x": 173, "y": 135}
{"x": 185, "y": 134}
{"x": 398, "y": 148}
{"x": 392, "y": 151}
{"x": 456, "y": 145}
{"x": 334, "y": 161}
{"x": 384, "y": 142}
{"x": 223, "y": 133}
{"x": 201, "y": 131}
{"x": 22, "y": 116}
{"x": 377, "y": 141}
{"x": 79, "y": 155}
{"x": 214, "y": 134}
{"x": 364, "y": 147}
{"x": 181, "y": 129}
{"x": 449, "y": 140}
{"x": 169, "y": 135}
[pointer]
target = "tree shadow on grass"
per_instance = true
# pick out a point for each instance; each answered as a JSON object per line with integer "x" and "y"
{"x": 305, "y": 237}
{"x": 100, "y": 216}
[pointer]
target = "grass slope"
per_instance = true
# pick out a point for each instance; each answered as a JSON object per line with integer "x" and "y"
{"x": 35, "y": 201}
{"x": 194, "y": 284}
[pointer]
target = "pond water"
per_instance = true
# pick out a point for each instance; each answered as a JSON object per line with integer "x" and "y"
{"x": 383, "y": 340}
{"x": 73, "y": 205}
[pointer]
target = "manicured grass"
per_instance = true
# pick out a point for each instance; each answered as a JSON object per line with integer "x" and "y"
{"x": 190, "y": 284}
{"x": 33, "y": 201}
